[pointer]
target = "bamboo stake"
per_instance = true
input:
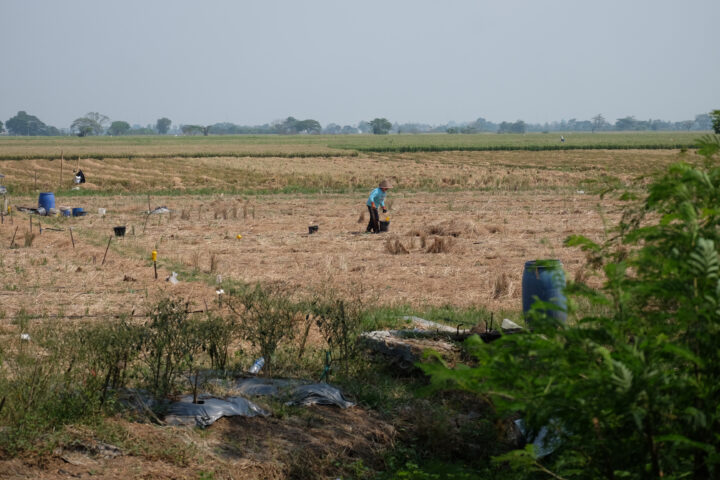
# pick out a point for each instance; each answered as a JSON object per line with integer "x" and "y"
{"x": 147, "y": 217}
{"x": 106, "y": 250}
{"x": 13, "y": 239}
{"x": 72, "y": 239}
{"x": 62, "y": 159}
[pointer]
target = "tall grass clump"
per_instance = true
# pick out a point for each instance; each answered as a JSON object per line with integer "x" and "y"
{"x": 43, "y": 378}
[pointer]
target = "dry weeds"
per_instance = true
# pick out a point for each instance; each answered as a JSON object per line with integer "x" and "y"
{"x": 440, "y": 245}
{"x": 501, "y": 286}
{"x": 29, "y": 238}
{"x": 394, "y": 246}
{"x": 450, "y": 228}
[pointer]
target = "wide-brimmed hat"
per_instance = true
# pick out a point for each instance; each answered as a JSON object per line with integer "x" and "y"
{"x": 385, "y": 184}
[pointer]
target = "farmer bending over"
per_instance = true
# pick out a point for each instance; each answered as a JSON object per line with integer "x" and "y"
{"x": 377, "y": 197}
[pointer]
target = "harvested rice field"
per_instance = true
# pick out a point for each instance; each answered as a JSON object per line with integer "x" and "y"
{"x": 462, "y": 224}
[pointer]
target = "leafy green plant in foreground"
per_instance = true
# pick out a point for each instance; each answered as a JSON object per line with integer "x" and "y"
{"x": 634, "y": 393}
{"x": 170, "y": 340}
{"x": 339, "y": 322}
{"x": 111, "y": 349}
{"x": 266, "y": 317}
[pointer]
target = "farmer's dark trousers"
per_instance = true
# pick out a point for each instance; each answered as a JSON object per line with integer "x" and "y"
{"x": 374, "y": 224}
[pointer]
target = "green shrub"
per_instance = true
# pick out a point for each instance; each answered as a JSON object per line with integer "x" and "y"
{"x": 265, "y": 317}
{"x": 218, "y": 333}
{"x": 112, "y": 349}
{"x": 632, "y": 393}
{"x": 170, "y": 341}
{"x": 340, "y": 323}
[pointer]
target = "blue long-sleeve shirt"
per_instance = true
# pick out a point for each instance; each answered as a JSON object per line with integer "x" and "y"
{"x": 377, "y": 196}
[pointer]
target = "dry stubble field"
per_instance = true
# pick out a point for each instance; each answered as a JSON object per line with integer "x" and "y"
{"x": 487, "y": 212}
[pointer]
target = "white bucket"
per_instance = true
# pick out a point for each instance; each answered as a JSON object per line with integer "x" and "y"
{"x": 101, "y": 212}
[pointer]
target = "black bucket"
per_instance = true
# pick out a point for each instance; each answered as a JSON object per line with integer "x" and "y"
{"x": 490, "y": 336}
{"x": 119, "y": 231}
{"x": 313, "y": 229}
{"x": 384, "y": 226}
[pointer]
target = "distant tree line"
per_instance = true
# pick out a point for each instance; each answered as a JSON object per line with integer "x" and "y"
{"x": 703, "y": 121}
{"x": 94, "y": 123}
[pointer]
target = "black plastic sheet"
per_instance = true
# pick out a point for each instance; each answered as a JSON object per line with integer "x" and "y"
{"x": 297, "y": 392}
{"x": 204, "y": 414}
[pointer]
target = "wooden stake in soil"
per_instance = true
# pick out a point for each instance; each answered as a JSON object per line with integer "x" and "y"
{"x": 62, "y": 159}
{"x": 13, "y": 239}
{"x": 30, "y": 224}
{"x": 72, "y": 239}
{"x": 106, "y": 250}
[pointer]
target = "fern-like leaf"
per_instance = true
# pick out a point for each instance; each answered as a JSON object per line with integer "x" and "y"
{"x": 704, "y": 261}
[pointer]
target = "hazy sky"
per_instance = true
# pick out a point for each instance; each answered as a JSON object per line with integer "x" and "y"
{"x": 253, "y": 62}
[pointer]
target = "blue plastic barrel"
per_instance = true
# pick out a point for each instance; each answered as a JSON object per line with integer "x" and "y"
{"x": 545, "y": 279}
{"x": 46, "y": 201}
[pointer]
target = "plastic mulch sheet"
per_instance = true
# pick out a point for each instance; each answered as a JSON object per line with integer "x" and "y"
{"x": 204, "y": 414}
{"x": 256, "y": 386}
{"x": 293, "y": 392}
{"x": 318, "y": 394}
{"x": 296, "y": 392}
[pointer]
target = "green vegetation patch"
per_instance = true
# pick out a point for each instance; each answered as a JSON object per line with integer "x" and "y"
{"x": 502, "y": 142}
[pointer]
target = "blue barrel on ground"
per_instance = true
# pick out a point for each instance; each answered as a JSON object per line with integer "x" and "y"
{"x": 46, "y": 200}
{"x": 545, "y": 279}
